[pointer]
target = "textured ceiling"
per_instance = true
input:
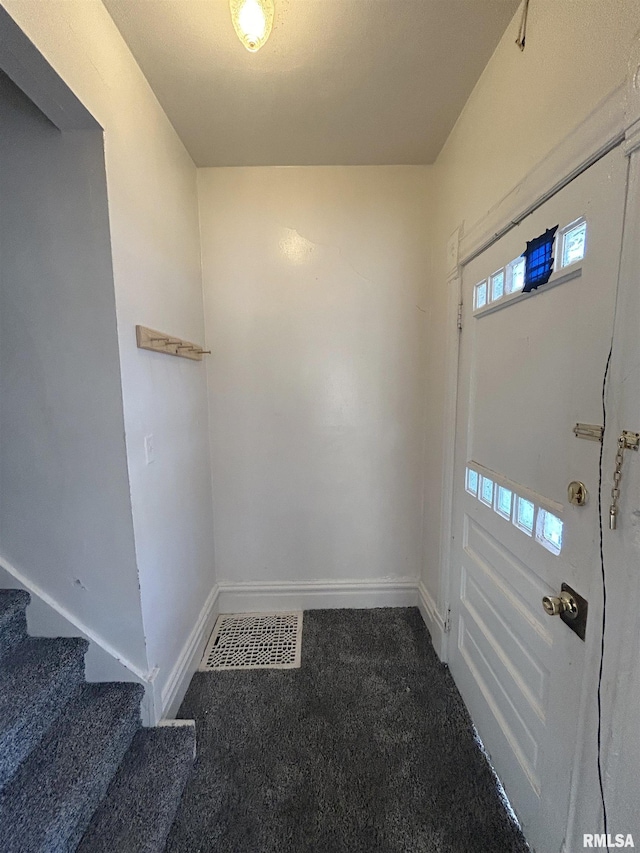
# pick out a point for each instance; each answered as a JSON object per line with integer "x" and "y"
{"x": 340, "y": 82}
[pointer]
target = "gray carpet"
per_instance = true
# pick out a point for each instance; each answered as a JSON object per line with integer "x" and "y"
{"x": 366, "y": 749}
{"x": 75, "y": 766}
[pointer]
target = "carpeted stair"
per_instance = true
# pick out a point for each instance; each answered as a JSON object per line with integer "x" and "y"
{"x": 77, "y": 770}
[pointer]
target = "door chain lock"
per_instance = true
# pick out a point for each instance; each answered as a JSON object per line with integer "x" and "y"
{"x": 627, "y": 441}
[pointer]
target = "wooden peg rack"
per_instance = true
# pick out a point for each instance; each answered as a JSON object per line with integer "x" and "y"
{"x": 159, "y": 342}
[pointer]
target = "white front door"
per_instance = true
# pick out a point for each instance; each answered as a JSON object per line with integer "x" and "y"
{"x": 531, "y": 367}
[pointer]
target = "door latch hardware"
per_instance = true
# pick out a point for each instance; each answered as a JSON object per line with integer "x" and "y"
{"x": 570, "y": 607}
{"x": 627, "y": 441}
{"x": 590, "y": 432}
{"x": 554, "y": 605}
{"x": 577, "y": 492}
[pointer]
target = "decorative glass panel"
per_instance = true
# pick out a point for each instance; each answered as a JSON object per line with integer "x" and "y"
{"x": 472, "y": 482}
{"x": 503, "y": 502}
{"x": 497, "y": 285}
{"x": 515, "y": 276}
{"x": 480, "y": 295}
{"x": 574, "y": 243}
{"x": 539, "y": 260}
{"x": 486, "y": 491}
{"x": 524, "y": 514}
{"x": 549, "y": 531}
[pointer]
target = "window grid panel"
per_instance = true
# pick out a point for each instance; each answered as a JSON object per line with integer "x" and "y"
{"x": 486, "y": 491}
{"x": 504, "y": 499}
{"x": 571, "y": 248}
{"x": 574, "y": 243}
{"x": 549, "y": 531}
{"x": 480, "y": 295}
{"x": 515, "y": 276}
{"x": 528, "y": 517}
{"x": 497, "y": 285}
{"x": 524, "y": 515}
{"x": 472, "y": 482}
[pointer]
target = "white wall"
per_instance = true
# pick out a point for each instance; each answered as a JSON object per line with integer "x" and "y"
{"x": 65, "y": 515}
{"x": 151, "y": 183}
{"x": 523, "y": 105}
{"x": 315, "y": 283}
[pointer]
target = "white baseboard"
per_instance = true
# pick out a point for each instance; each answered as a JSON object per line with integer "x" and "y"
{"x": 434, "y": 621}
{"x": 175, "y": 687}
{"x": 162, "y": 702}
{"x": 313, "y": 595}
{"x": 46, "y": 617}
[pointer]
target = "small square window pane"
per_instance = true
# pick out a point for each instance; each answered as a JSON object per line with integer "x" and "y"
{"x": 515, "y": 276}
{"x": 480, "y": 295}
{"x": 574, "y": 244}
{"x": 472, "y": 482}
{"x": 497, "y": 285}
{"x": 549, "y": 531}
{"x": 486, "y": 491}
{"x": 524, "y": 514}
{"x": 503, "y": 502}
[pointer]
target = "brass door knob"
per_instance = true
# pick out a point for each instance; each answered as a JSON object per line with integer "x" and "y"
{"x": 577, "y": 493}
{"x": 565, "y": 603}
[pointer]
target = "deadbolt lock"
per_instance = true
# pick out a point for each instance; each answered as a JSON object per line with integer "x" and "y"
{"x": 565, "y": 603}
{"x": 570, "y": 606}
{"x": 578, "y": 493}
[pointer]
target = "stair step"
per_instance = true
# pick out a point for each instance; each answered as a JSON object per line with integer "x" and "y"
{"x": 36, "y": 682}
{"x": 13, "y": 619}
{"x": 48, "y": 804}
{"x": 141, "y": 803}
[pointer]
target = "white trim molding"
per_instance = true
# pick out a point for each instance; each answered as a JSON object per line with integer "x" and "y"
{"x": 452, "y": 359}
{"x": 46, "y": 617}
{"x": 103, "y": 662}
{"x": 436, "y": 623}
{"x": 602, "y": 131}
{"x": 632, "y": 105}
{"x": 314, "y": 595}
{"x": 176, "y": 685}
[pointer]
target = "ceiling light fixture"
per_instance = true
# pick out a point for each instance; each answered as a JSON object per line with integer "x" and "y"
{"x": 252, "y": 21}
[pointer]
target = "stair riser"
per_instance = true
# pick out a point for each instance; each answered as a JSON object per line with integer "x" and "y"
{"x": 143, "y": 798}
{"x": 96, "y": 792}
{"x": 12, "y": 633}
{"x": 66, "y": 835}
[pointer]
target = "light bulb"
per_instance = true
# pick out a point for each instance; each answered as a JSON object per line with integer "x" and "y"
{"x": 252, "y": 21}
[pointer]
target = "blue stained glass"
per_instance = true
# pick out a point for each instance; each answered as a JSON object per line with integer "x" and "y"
{"x": 525, "y": 515}
{"x": 472, "y": 481}
{"x": 497, "y": 285}
{"x": 486, "y": 495}
{"x": 503, "y": 502}
{"x": 539, "y": 260}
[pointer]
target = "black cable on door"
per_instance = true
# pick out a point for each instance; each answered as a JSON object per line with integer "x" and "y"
{"x": 604, "y": 594}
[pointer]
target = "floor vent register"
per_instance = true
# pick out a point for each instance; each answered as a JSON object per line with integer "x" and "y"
{"x": 254, "y": 641}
